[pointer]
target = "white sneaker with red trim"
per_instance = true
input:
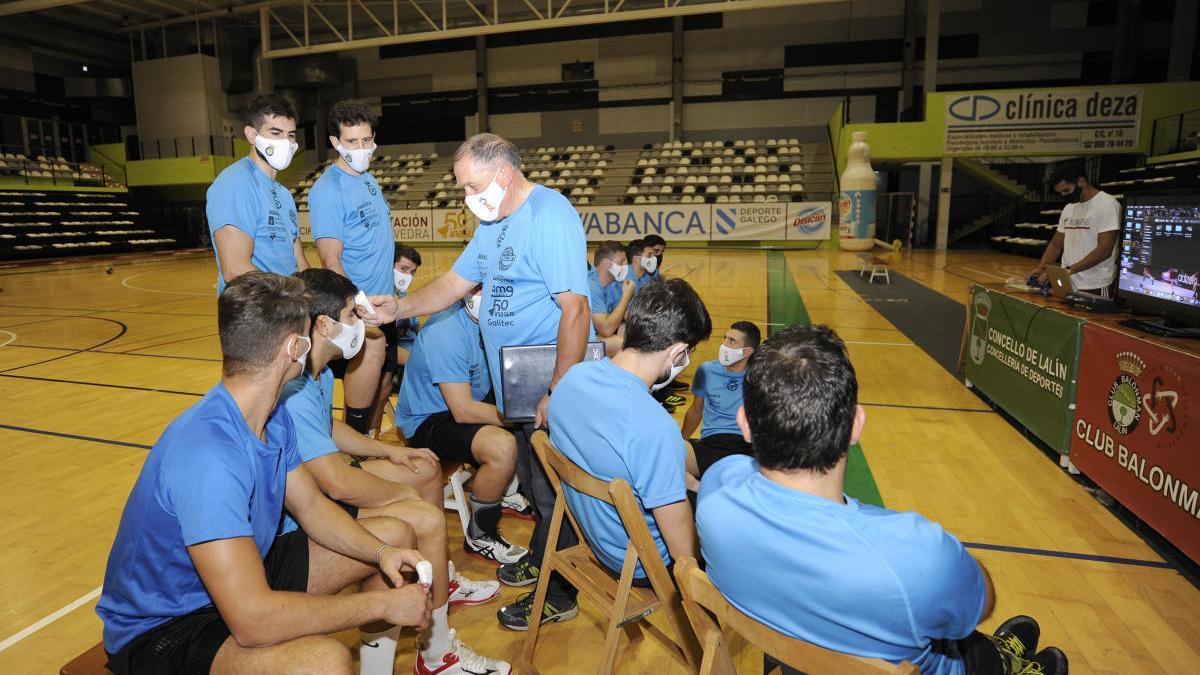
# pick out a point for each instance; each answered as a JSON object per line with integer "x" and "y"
{"x": 461, "y": 660}
{"x": 464, "y": 591}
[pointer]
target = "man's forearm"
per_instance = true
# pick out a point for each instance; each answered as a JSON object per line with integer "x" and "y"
{"x": 572, "y": 339}
{"x": 477, "y": 412}
{"x": 435, "y": 296}
{"x": 330, "y": 526}
{"x": 678, "y": 529}
{"x": 1052, "y": 252}
{"x": 351, "y": 442}
{"x": 692, "y": 419}
{"x": 287, "y": 615}
{"x": 1097, "y": 256}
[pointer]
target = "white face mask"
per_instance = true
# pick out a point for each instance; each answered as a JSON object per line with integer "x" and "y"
{"x": 675, "y": 371}
{"x": 619, "y": 272}
{"x": 403, "y": 279}
{"x": 277, "y": 151}
{"x": 359, "y": 160}
{"x": 729, "y": 356}
{"x": 649, "y": 263}
{"x": 486, "y": 204}
{"x": 350, "y": 339}
{"x": 472, "y": 306}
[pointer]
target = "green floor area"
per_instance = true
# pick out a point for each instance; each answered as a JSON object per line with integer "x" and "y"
{"x": 785, "y": 307}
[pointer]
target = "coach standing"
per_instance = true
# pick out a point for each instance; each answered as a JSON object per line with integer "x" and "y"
{"x": 251, "y": 217}
{"x": 530, "y": 255}
{"x": 352, "y": 226}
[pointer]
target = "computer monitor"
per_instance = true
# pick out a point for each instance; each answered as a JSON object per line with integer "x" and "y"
{"x": 1160, "y": 258}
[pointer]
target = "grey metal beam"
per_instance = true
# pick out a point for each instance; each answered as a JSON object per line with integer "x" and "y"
{"x": 22, "y": 6}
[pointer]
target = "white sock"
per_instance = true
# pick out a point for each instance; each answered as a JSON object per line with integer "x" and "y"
{"x": 377, "y": 652}
{"x": 512, "y": 487}
{"x": 437, "y": 638}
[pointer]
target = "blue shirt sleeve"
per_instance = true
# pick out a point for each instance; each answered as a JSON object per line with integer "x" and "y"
{"x": 558, "y": 248}
{"x": 658, "y": 474}
{"x": 327, "y": 210}
{"x": 232, "y": 200}
{"x": 698, "y": 380}
{"x": 210, "y": 496}
{"x": 596, "y": 297}
{"x": 947, "y": 594}
{"x": 451, "y": 361}
{"x": 311, "y": 422}
{"x": 467, "y": 265}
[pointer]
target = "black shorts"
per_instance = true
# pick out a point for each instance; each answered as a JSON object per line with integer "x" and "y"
{"x": 448, "y": 439}
{"x": 390, "y": 364}
{"x": 187, "y": 645}
{"x": 711, "y": 449}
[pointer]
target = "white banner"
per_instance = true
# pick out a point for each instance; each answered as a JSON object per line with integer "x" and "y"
{"x": 673, "y": 222}
{"x": 412, "y": 225}
{"x": 1043, "y": 121}
{"x": 452, "y": 225}
{"x": 810, "y": 221}
{"x": 749, "y": 221}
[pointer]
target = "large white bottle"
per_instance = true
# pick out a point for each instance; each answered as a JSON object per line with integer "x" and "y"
{"x": 856, "y": 205}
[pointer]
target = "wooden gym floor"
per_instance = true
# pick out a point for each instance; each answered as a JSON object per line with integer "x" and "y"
{"x": 94, "y": 365}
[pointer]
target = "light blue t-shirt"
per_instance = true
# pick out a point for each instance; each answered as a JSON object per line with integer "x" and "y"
{"x": 309, "y": 403}
{"x": 722, "y": 393}
{"x": 448, "y": 349}
{"x": 853, "y": 577}
{"x": 208, "y": 477}
{"x": 246, "y": 198}
{"x": 603, "y": 418}
{"x": 603, "y": 299}
{"x": 352, "y": 209}
{"x": 406, "y": 329}
{"x": 523, "y": 261}
{"x": 646, "y": 278}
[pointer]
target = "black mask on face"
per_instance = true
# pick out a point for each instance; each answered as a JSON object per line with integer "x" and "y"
{"x": 1075, "y": 196}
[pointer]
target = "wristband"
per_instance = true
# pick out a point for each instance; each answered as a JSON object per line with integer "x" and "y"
{"x": 379, "y": 552}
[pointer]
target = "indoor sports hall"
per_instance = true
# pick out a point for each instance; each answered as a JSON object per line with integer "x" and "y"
{"x": 916, "y": 175}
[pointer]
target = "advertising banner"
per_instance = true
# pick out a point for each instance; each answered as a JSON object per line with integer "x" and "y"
{"x": 810, "y": 221}
{"x": 749, "y": 221}
{"x": 1087, "y": 120}
{"x": 452, "y": 224}
{"x": 1025, "y": 358}
{"x": 673, "y": 222}
{"x": 412, "y": 225}
{"x": 1137, "y": 433}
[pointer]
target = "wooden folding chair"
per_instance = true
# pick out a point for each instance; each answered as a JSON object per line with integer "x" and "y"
{"x": 700, "y": 598}
{"x": 621, "y": 602}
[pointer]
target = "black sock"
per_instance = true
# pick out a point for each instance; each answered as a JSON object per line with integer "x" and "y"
{"x": 485, "y": 518}
{"x": 359, "y": 419}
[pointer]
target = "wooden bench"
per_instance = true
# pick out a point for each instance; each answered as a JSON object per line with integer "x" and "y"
{"x": 91, "y": 662}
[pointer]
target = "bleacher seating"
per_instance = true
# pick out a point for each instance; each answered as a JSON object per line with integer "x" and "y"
{"x": 684, "y": 172}
{"x": 55, "y": 171}
{"x": 50, "y": 224}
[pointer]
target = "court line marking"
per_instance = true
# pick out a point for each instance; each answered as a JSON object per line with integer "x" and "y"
{"x": 11, "y": 337}
{"x": 104, "y": 351}
{"x": 126, "y": 284}
{"x": 881, "y": 344}
{"x": 102, "y": 384}
{"x": 1116, "y": 560}
{"x": 51, "y": 618}
{"x": 927, "y": 407}
{"x": 76, "y": 437}
{"x": 989, "y": 274}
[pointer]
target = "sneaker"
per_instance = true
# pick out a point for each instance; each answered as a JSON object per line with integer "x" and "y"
{"x": 516, "y": 615}
{"x": 461, "y": 660}
{"x": 1052, "y": 661}
{"x": 1018, "y": 637}
{"x": 520, "y": 573}
{"x": 493, "y": 547}
{"x": 464, "y": 591}
{"x": 674, "y": 400}
{"x": 516, "y": 505}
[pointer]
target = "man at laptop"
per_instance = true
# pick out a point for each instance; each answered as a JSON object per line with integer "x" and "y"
{"x": 1087, "y": 234}
{"x": 530, "y": 255}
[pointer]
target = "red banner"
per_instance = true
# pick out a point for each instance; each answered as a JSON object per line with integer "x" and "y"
{"x": 1137, "y": 431}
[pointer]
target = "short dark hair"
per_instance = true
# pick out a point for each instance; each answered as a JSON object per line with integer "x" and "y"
{"x": 800, "y": 396}
{"x": 753, "y": 335}
{"x": 605, "y": 250}
{"x": 349, "y": 114}
{"x": 268, "y": 104}
{"x": 405, "y": 251}
{"x": 329, "y": 291}
{"x": 255, "y": 312}
{"x": 1068, "y": 173}
{"x": 634, "y": 247}
{"x": 664, "y": 313}
{"x": 654, "y": 240}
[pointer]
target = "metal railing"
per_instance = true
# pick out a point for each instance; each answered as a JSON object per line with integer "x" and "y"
{"x": 185, "y": 146}
{"x": 1177, "y": 133}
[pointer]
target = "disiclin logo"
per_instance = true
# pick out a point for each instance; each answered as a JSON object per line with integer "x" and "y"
{"x": 975, "y": 108}
{"x": 1124, "y": 397}
{"x": 810, "y": 220}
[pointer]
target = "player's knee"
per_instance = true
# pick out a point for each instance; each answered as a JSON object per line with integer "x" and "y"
{"x": 394, "y": 532}
{"x": 325, "y": 656}
{"x": 425, "y": 519}
{"x": 499, "y": 448}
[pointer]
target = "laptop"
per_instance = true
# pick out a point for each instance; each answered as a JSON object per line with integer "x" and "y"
{"x": 1060, "y": 281}
{"x": 525, "y": 373}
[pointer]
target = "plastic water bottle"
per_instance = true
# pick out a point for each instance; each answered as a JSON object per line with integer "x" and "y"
{"x": 856, "y": 204}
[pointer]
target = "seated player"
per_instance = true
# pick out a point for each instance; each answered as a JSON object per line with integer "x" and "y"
{"x": 197, "y": 581}
{"x": 657, "y": 245}
{"x": 443, "y": 405}
{"x": 609, "y": 292}
{"x": 408, "y": 261}
{"x": 786, "y": 546}
{"x": 717, "y": 387}
{"x": 642, "y": 262}
{"x": 603, "y": 418}
{"x": 337, "y": 333}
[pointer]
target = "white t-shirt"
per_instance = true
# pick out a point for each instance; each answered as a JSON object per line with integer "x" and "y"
{"x": 1081, "y": 225}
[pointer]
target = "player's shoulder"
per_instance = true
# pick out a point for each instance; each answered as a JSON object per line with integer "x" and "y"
{"x": 237, "y": 177}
